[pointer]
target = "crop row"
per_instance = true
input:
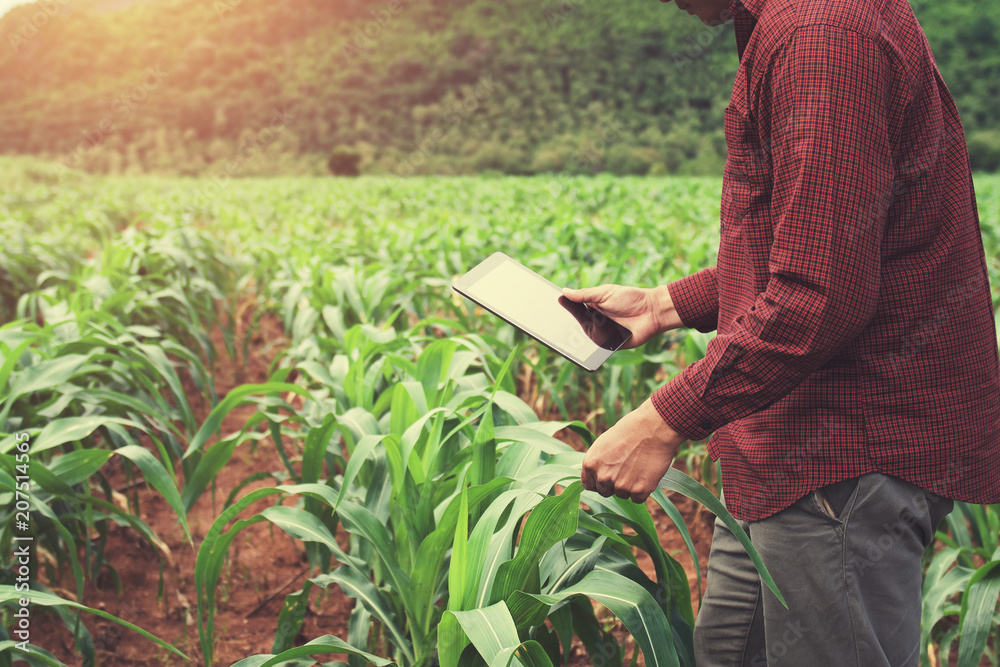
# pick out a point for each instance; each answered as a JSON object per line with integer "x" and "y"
{"x": 421, "y": 429}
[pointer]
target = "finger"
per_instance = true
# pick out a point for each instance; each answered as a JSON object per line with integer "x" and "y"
{"x": 639, "y": 497}
{"x": 588, "y": 479}
{"x": 606, "y": 489}
{"x": 623, "y": 494}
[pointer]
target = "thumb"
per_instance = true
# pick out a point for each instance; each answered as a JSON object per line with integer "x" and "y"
{"x": 586, "y": 295}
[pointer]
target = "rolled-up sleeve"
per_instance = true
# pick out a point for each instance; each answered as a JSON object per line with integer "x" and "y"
{"x": 831, "y": 160}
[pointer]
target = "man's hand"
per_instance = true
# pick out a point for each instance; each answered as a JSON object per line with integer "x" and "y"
{"x": 643, "y": 311}
{"x": 630, "y": 458}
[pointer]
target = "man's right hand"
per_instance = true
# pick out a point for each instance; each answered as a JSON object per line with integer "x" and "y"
{"x": 643, "y": 311}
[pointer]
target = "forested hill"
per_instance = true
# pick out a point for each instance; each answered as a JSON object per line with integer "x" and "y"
{"x": 404, "y": 86}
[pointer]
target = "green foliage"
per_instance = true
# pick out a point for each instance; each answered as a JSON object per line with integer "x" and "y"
{"x": 984, "y": 150}
{"x": 439, "y": 455}
{"x": 407, "y": 421}
{"x": 194, "y": 87}
{"x": 962, "y": 581}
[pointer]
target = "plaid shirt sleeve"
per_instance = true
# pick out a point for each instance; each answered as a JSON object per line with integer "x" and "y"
{"x": 696, "y": 299}
{"x": 824, "y": 105}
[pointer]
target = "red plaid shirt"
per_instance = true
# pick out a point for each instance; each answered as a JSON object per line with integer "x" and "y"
{"x": 851, "y": 298}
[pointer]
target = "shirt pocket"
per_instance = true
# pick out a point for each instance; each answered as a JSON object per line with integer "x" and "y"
{"x": 736, "y": 190}
{"x": 746, "y": 179}
{"x": 745, "y": 233}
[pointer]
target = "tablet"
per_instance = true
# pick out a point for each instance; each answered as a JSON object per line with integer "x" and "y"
{"x": 536, "y": 306}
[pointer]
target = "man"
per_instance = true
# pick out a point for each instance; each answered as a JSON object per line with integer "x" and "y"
{"x": 853, "y": 386}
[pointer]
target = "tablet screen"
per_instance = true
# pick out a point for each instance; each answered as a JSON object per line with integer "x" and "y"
{"x": 536, "y": 306}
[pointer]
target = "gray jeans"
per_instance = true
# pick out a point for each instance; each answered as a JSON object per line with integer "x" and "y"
{"x": 849, "y": 570}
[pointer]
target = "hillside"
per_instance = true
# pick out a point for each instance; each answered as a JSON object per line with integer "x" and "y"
{"x": 238, "y": 87}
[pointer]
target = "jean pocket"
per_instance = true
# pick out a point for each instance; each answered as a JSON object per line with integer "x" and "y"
{"x": 824, "y": 504}
{"x": 833, "y": 499}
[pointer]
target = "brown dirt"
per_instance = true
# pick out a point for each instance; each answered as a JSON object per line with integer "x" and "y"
{"x": 264, "y": 564}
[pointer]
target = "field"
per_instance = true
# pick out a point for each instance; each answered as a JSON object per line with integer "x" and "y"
{"x": 189, "y": 364}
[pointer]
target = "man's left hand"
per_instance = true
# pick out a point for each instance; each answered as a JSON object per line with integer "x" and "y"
{"x": 629, "y": 459}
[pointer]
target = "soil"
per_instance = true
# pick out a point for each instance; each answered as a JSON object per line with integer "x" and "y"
{"x": 264, "y": 563}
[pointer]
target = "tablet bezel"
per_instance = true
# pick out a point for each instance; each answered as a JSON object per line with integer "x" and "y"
{"x": 463, "y": 285}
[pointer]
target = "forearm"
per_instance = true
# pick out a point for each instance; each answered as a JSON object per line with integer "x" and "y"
{"x": 664, "y": 312}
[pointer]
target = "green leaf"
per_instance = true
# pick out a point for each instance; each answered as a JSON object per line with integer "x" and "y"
{"x": 630, "y": 602}
{"x": 358, "y": 587}
{"x": 362, "y": 451}
{"x": 290, "y": 618}
{"x": 234, "y": 399}
{"x": 459, "y": 551}
{"x": 562, "y": 620}
{"x": 553, "y": 520}
{"x": 675, "y": 480}
{"x": 154, "y": 473}
{"x": 362, "y": 522}
{"x": 527, "y": 434}
{"x": 484, "y": 449}
{"x": 489, "y": 549}
{"x": 321, "y": 645}
{"x": 11, "y": 358}
{"x": 208, "y": 468}
{"x": 562, "y": 568}
{"x": 75, "y": 467}
{"x": 45, "y": 375}
{"x": 678, "y": 520}
{"x": 317, "y": 441}
{"x": 979, "y": 603}
{"x": 934, "y": 599}
{"x": 432, "y": 365}
{"x": 8, "y": 593}
{"x": 208, "y": 565}
{"x": 35, "y": 655}
{"x": 490, "y": 629}
{"x": 529, "y": 653}
{"x": 69, "y": 429}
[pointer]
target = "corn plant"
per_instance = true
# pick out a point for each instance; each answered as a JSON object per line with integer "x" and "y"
{"x": 68, "y": 408}
{"x": 962, "y": 582}
{"x": 93, "y": 379}
{"x": 393, "y": 400}
{"x": 442, "y": 455}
